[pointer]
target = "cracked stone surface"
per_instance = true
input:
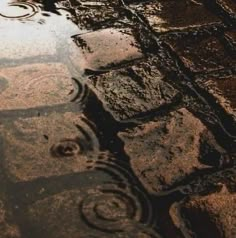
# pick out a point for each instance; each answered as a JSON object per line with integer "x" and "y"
{"x": 8, "y": 229}
{"x": 202, "y": 54}
{"x": 183, "y": 147}
{"x": 103, "y": 48}
{"x": 222, "y": 89}
{"x": 132, "y": 91}
{"x": 188, "y": 14}
{"x": 216, "y": 211}
{"x": 117, "y": 118}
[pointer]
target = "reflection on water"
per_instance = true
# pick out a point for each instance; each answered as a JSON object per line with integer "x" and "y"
{"x": 34, "y": 63}
{"x": 47, "y": 142}
{"x": 28, "y": 31}
{"x": 17, "y": 10}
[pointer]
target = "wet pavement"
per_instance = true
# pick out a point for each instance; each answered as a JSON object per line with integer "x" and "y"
{"x": 117, "y": 118}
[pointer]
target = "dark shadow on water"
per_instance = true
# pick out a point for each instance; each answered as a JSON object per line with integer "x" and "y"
{"x": 50, "y": 6}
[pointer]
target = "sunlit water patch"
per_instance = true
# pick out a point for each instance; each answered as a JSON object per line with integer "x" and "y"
{"x": 27, "y": 31}
{"x": 34, "y": 65}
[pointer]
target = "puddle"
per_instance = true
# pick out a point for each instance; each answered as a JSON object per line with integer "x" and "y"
{"x": 33, "y": 64}
{"x": 18, "y": 10}
{"x": 26, "y": 87}
{"x": 74, "y": 85}
{"x": 29, "y": 32}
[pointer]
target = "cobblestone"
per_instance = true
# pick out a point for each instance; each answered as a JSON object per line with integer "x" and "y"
{"x": 95, "y": 14}
{"x": 7, "y": 228}
{"x": 129, "y": 92}
{"x": 104, "y": 48}
{"x": 188, "y": 14}
{"x": 228, "y": 6}
{"x": 117, "y": 118}
{"x": 202, "y": 53}
{"x": 222, "y": 88}
{"x": 183, "y": 147}
{"x": 214, "y": 210}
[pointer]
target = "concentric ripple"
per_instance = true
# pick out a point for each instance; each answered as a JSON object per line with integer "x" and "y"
{"x": 18, "y": 10}
{"x": 116, "y": 168}
{"x": 85, "y": 143}
{"x": 35, "y": 86}
{"x": 81, "y": 91}
{"x": 115, "y": 208}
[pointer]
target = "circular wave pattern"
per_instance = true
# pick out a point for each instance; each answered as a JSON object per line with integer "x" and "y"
{"x": 115, "y": 208}
{"x": 119, "y": 170}
{"x": 86, "y": 142}
{"x": 80, "y": 93}
{"x": 66, "y": 148}
{"x": 56, "y": 88}
{"x": 19, "y": 10}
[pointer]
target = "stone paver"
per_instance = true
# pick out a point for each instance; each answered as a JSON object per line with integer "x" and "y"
{"x": 188, "y": 14}
{"x": 202, "y": 53}
{"x": 96, "y": 48}
{"x": 132, "y": 91}
{"x": 222, "y": 88}
{"x": 8, "y": 229}
{"x": 102, "y": 131}
{"x": 228, "y": 6}
{"x": 163, "y": 153}
{"x": 216, "y": 211}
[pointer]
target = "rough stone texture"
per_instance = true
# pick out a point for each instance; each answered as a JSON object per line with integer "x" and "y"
{"x": 228, "y": 6}
{"x": 129, "y": 92}
{"x": 188, "y": 14}
{"x": 223, "y": 89}
{"x": 201, "y": 53}
{"x": 231, "y": 37}
{"x": 144, "y": 150}
{"x": 92, "y": 15}
{"x": 163, "y": 153}
{"x": 47, "y": 145}
{"x": 215, "y": 211}
{"x": 7, "y": 229}
{"x": 104, "y": 48}
{"x": 36, "y": 85}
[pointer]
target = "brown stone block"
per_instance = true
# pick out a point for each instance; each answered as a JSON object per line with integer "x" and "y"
{"x": 229, "y": 6}
{"x": 48, "y": 145}
{"x": 7, "y": 229}
{"x": 130, "y": 92}
{"x": 208, "y": 216}
{"x": 230, "y": 36}
{"x": 96, "y": 14}
{"x": 223, "y": 89}
{"x": 104, "y": 48}
{"x": 171, "y": 15}
{"x": 167, "y": 151}
{"x": 202, "y": 54}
